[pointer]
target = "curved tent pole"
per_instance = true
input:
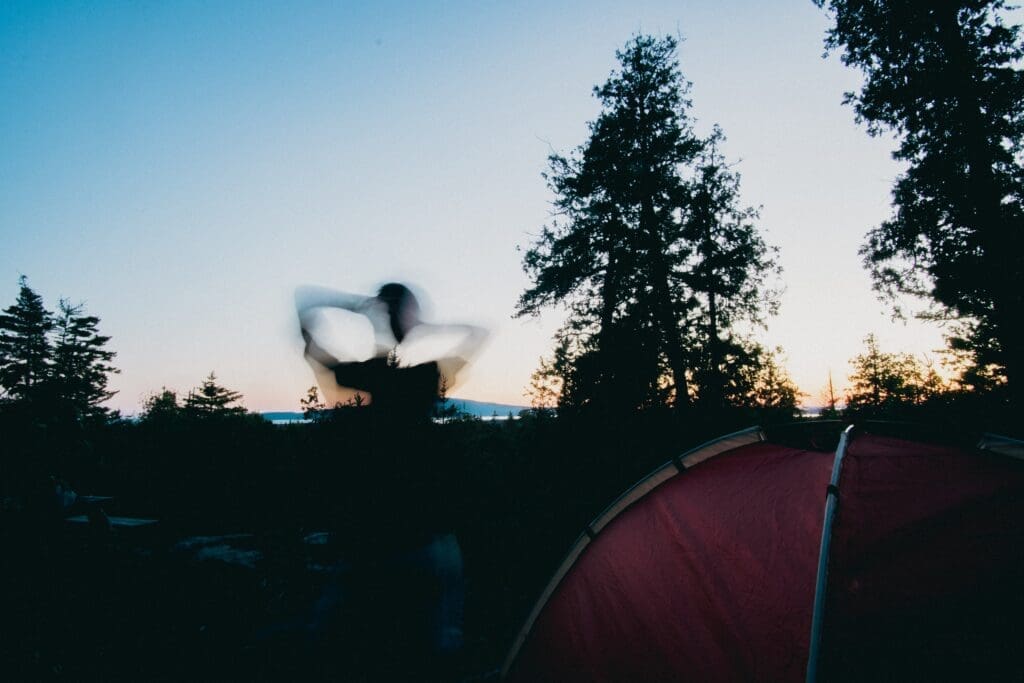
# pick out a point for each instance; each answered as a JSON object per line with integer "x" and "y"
{"x": 1002, "y": 445}
{"x": 831, "y": 503}
{"x": 673, "y": 467}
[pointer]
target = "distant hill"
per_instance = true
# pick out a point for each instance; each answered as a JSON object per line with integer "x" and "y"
{"x": 482, "y": 409}
{"x": 474, "y": 408}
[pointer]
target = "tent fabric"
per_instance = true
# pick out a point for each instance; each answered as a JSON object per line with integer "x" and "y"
{"x": 711, "y": 575}
{"x": 627, "y": 499}
{"x": 693, "y": 578}
{"x": 927, "y": 556}
{"x": 919, "y": 520}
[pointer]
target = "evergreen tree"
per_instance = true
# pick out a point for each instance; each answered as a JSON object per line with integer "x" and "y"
{"x": 830, "y": 410}
{"x": 212, "y": 400}
{"x": 611, "y": 251}
{"x": 656, "y": 261}
{"x": 545, "y": 388}
{"x": 728, "y": 274}
{"x": 772, "y": 392}
{"x": 444, "y": 410}
{"x": 81, "y": 364}
{"x": 944, "y": 77}
{"x": 26, "y": 354}
{"x": 883, "y": 380}
{"x": 161, "y": 407}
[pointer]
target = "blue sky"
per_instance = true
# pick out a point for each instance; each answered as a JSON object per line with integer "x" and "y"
{"x": 181, "y": 167}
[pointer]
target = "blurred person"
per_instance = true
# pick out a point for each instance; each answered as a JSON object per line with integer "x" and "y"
{"x": 406, "y": 528}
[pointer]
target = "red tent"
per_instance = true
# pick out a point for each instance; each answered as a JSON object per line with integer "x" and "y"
{"x": 747, "y": 559}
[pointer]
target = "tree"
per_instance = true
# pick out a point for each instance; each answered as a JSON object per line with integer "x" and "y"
{"x": 212, "y": 400}
{"x": 161, "y": 407}
{"x": 829, "y": 411}
{"x": 26, "y": 356}
{"x": 545, "y": 388}
{"x": 59, "y": 363}
{"x": 612, "y": 246}
{"x": 649, "y": 250}
{"x": 944, "y": 78}
{"x": 81, "y": 364}
{"x": 772, "y": 392}
{"x": 883, "y": 380}
{"x": 728, "y": 273}
{"x": 313, "y": 407}
{"x": 444, "y": 410}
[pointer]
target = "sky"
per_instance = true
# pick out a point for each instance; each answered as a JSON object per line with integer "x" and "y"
{"x": 180, "y": 168}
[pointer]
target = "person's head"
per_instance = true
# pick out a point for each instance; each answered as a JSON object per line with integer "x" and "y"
{"x": 403, "y": 308}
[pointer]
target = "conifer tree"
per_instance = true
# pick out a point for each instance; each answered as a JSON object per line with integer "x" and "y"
{"x": 883, "y": 380}
{"x": 828, "y": 397}
{"x": 944, "y": 77}
{"x": 728, "y": 273}
{"x": 161, "y": 407}
{"x": 81, "y": 363}
{"x": 655, "y": 261}
{"x": 610, "y": 252}
{"x": 212, "y": 400}
{"x": 771, "y": 391}
{"x": 26, "y": 355}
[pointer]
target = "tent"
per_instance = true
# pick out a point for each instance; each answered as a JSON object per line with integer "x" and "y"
{"x": 753, "y": 558}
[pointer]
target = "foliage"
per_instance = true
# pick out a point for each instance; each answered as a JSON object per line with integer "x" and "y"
{"x": 545, "y": 388}
{"x": 771, "y": 391}
{"x": 944, "y": 78}
{"x": 161, "y": 407}
{"x": 654, "y": 267}
{"x": 728, "y": 276}
{"x": 81, "y": 363}
{"x": 830, "y": 411}
{"x": 313, "y": 407}
{"x": 609, "y": 252}
{"x": 26, "y": 353}
{"x": 59, "y": 365}
{"x": 887, "y": 381}
{"x": 210, "y": 400}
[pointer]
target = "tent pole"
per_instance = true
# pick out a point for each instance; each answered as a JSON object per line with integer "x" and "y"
{"x": 670, "y": 469}
{"x": 831, "y": 502}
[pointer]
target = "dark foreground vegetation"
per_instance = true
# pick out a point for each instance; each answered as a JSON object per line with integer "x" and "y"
{"x": 85, "y": 601}
{"x": 251, "y": 515}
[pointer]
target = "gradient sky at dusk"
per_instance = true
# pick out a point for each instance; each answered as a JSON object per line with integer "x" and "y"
{"x": 181, "y": 167}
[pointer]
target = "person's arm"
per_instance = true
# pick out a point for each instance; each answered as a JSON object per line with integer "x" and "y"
{"x": 472, "y": 341}
{"x": 472, "y": 337}
{"x": 452, "y": 362}
{"x": 308, "y": 297}
{"x": 317, "y": 353}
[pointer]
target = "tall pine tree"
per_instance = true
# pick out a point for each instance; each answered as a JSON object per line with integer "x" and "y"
{"x": 655, "y": 260}
{"x": 26, "y": 356}
{"x": 611, "y": 251}
{"x": 729, "y": 272}
{"x": 81, "y": 363}
{"x": 944, "y": 78}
